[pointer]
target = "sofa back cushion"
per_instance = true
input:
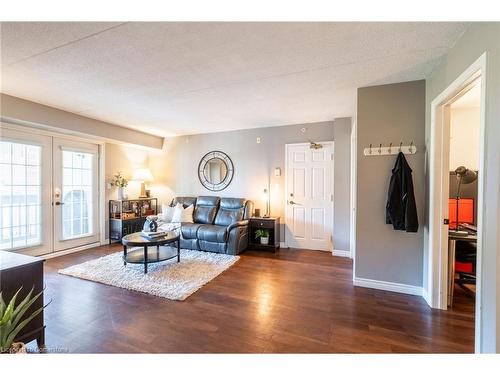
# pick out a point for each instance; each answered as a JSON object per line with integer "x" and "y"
{"x": 230, "y": 211}
{"x": 185, "y": 201}
{"x": 206, "y": 209}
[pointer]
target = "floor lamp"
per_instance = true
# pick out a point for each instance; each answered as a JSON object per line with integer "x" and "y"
{"x": 268, "y": 204}
{"x": 464, "y": 176}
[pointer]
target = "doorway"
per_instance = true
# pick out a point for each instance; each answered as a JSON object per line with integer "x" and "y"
{"x": 456, "y": 191}
{"x": 49, "y": 192}
{"x": 309, "y": 196}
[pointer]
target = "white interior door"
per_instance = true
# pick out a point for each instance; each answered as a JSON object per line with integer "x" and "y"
{"x": 25, "y": 192}
{"x": 309, "y": 194}
{"x": 75, "y": 194}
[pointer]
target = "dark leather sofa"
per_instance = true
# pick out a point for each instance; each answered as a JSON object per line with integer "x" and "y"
{"x": 220, "y": 224}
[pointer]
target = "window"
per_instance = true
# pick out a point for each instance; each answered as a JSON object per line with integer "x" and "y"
{"x": 77, "y": 194}
{"x": 20, "y": 195}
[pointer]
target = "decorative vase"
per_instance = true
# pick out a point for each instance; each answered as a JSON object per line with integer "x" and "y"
{"x": 264, "y": 240}
{"x": 121, "y": 194}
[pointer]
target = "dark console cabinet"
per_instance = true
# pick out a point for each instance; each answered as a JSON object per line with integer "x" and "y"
{"x": 270, "y": 223}
{"x": 16, "y": 271}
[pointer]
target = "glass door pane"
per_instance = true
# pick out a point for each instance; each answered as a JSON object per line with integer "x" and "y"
{"x": 20, "y": 195}
{"x": 25, "y": 197}
{"x": 77, "y": 194}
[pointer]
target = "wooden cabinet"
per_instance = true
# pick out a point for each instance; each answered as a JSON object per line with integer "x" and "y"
{"x": 128, "y": 216}
{"x": 16, "y": 271}
{"x": 273, "y": 225}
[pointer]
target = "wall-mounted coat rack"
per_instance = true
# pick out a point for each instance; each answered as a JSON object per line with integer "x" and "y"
{"x": 379, "y": 150}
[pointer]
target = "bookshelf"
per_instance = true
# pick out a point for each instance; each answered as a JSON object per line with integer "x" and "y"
{"x": 128, "y": 216}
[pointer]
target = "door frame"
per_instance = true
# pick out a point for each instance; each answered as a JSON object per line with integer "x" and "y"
{"x": 437, "y": 261}
{"x": 353, "y": 195}
{"x": 287, "y": 145}
{"x": 101, "y": 173}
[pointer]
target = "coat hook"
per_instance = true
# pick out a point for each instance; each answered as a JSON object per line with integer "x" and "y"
{"x": 370, "y": 148}
{"x": 380, "y": 149}
{"x": 390, "y": 147}
{"x": 400, "y": 145}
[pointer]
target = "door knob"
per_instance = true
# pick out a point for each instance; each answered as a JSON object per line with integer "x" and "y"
{"x": 291, "y": 202}
{"x": 59, "y": 203}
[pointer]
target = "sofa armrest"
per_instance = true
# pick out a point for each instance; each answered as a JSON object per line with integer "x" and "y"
{"x": 236, "y": 224}
{"x": 237, "y": 237}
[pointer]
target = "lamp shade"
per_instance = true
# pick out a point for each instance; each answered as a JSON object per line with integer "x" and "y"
{"x": 465, "y": 175}
{"x": 143, "y": 175}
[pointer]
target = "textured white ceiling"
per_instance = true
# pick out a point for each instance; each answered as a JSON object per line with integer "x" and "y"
{"x": 185, "y": 78}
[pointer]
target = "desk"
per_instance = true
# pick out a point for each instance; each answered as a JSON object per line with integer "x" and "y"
{"x": 452, "y": 245}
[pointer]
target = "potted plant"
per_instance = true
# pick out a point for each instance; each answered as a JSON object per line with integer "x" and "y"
{"x": 120, "y": 182}
{"x": 263, "y": 234}
{"x": 12, "y": 321}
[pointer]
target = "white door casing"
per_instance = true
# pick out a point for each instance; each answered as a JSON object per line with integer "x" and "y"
{"x": 435, "y": 292}
{"x": 309, "y": 196}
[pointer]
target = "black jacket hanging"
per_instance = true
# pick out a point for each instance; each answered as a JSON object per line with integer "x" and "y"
{"x": 401, "y": 210}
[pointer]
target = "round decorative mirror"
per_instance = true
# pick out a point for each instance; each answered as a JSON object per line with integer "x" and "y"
{"x": 215, "y": 170}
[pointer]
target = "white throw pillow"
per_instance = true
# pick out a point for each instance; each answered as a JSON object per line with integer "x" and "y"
{"x": 167, "y": 212}
{"x": 183, "y": 215}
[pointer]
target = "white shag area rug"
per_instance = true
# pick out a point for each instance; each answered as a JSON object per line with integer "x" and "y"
{"x": 167, "y": 279}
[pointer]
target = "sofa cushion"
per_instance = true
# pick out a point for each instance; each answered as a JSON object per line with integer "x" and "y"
{"x": 167, "y": 212}
{"x": 189, "y": 230}
{"x": 214, "y": 247}
{"x": 183, "y": 215}
{"x": 212, "y": 233}
{"x": 185, "y": 201}
{"x": 230, "y": 211}
{"x": 205, "y": 210}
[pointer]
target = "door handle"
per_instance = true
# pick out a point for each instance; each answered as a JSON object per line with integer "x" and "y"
{"x": 59, "y": 203}
{"x": 292, "y": 202}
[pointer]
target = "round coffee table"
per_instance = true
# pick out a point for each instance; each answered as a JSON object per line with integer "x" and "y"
{"x": 146, "y": 254}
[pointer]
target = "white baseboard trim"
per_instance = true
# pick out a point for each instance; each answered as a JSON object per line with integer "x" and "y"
{"x": 70, "y": 251}
{"x": 341, "y": 253}
{"x": 283, "y": 245}
{"x": 426, "y": 297}
{"x": 386, "y": 285}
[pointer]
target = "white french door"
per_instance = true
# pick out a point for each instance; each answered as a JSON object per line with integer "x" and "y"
{"x": 75, "y": 193}
{"x": 309, "y": 196}
{"x": 48, "y": 192}
{"x": 25, "y": 192}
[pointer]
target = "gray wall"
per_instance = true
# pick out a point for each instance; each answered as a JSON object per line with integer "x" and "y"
{"x": 342, "y": 183}
{"x": 389, "y": 113}
{"x": 479, "y": 38}
{"x": 253, "y": 163}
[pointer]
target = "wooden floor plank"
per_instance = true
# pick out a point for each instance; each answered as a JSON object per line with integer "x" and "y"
{"x": 292, "y": 301}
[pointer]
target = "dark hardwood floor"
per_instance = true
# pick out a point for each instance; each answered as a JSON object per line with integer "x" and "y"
{"x": 294, "y": 301}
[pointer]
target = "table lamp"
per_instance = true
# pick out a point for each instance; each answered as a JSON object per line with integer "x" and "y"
{"x": 464, "y": 176}
{"x": 142, "y": 175}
